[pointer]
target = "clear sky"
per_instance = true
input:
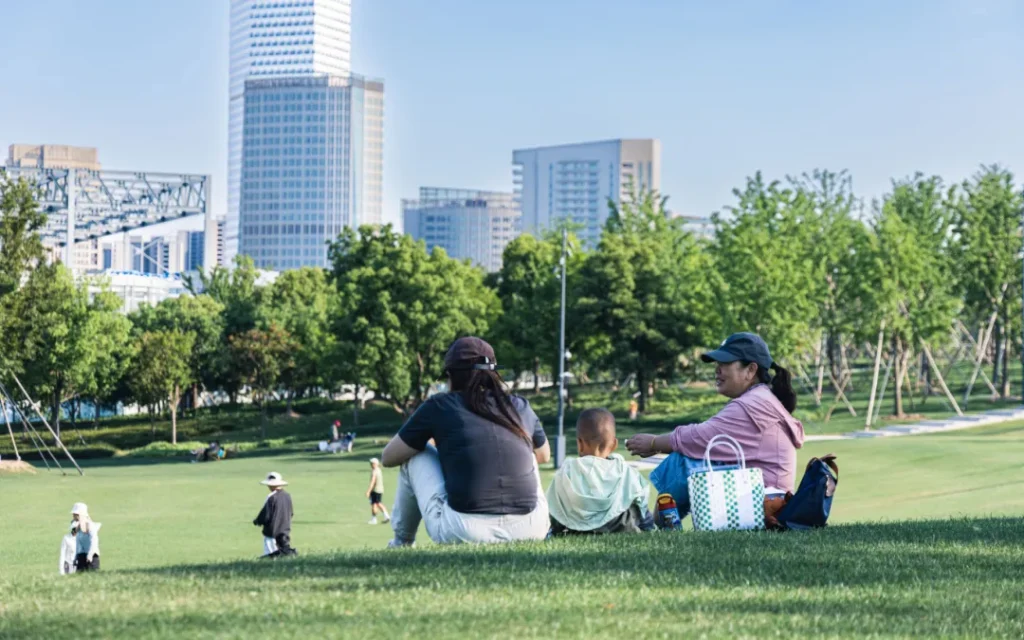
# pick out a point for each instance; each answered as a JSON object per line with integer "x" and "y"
{"x": 881, "y": 88}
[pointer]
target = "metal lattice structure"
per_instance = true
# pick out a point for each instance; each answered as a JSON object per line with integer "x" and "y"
{"x": 82, "y": 204}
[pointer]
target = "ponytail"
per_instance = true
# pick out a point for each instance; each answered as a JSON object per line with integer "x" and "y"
{"x": 782, "y": 387}
{"x": 781, "y": 384}
{"x": 485, "y": 395}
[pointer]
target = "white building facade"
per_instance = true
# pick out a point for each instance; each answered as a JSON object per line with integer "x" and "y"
{"x": 467, "y": 224}
{"x": 272, "y": 39}
{"x": 574, "y": 182}
{"x": 313, "y": 155}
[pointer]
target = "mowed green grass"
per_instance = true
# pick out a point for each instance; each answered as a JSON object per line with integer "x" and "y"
{"x": 927, "y": 539}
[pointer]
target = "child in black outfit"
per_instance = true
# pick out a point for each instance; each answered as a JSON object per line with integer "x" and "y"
{"x": 276, "y": 518}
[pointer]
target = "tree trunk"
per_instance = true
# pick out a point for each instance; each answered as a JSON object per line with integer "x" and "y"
{"x": 291, "y": 401}
{"x": 900, "y": 366}
{"x": 195, "y": 398}
{"x": 355, "y": 407}
{"x": 820, "y": 369}
{"x": 1005, "y": 389}
{"x": 55, "y": 408}
{"x": 175, "y": 399}
{"x": 998, "y": 356}
{"x": 536, "y": 375}
{"x": 263, "y": 418}
{"x": 926, "y": 376}
{"x": 152, "y": 419}
{"x": 96, "y": 412}
{"x": 844, "y": 365}
{"x": 641, "y": 383}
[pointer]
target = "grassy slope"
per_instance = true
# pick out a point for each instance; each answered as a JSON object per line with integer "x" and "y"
{"x": 177, "y": 543}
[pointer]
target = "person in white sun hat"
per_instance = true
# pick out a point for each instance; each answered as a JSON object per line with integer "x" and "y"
{"x": 86, "y": 534}
{"x": 276, "y": 518}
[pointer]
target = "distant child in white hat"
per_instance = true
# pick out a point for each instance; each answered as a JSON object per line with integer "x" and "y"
{"x": 376, "y": 492}
{"x": 276, "y": 518}
{"x": 86, "y": 541}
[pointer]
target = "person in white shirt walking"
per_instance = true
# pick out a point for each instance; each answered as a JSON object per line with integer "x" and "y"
{"x": 375, "y": 492}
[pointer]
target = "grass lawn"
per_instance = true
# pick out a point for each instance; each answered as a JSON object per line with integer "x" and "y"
{"x": 239, "y": 427}
{"x": 178, "y": 557}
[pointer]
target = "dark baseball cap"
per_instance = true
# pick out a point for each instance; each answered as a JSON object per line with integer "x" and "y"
{"x": 744, "y": 346}
{"x": 470, "y": 353}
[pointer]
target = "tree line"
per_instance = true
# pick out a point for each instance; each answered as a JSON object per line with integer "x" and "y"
{"x": 803, "y": 261}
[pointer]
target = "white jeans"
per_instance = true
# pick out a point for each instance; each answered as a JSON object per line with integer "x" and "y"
{"x": 421, "y": 495}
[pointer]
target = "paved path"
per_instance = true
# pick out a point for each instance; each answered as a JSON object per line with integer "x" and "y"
{"x": 896, "y": 430}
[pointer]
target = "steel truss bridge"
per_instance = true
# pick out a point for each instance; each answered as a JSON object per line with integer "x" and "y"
{"x": 82, "y": 204}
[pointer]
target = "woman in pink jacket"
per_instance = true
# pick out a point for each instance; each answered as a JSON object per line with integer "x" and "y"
{"x": 759, "y": 416}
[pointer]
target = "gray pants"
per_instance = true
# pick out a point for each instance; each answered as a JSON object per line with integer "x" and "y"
{"x": 421, "y": 495}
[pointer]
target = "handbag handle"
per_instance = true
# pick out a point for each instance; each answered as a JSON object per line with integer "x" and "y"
{"x": 728, "y": 441}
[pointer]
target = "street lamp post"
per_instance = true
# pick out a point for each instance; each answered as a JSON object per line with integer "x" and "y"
{"x": 560, "y": 439}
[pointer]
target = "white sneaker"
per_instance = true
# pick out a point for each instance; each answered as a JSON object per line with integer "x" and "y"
{"x": 372, "y": 521}
{"x": 387, "y": 519}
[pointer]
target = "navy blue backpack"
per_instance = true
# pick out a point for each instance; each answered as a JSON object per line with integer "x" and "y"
{"x": 809, "y": 507}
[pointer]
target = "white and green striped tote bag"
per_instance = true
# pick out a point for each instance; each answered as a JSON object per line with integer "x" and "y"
{"x": 727, "y": 500}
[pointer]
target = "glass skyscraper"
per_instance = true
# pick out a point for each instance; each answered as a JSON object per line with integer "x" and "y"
{"x": 277, "y": 38}
{"x": 576, "y": 181}
{"x": 467, "y": 224}
{"x": 312, "y": 164}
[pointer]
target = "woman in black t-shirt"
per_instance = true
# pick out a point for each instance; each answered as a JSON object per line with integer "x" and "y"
{"x": 478, "y": 481}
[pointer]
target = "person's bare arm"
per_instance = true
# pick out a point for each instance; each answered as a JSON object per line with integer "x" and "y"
{"x": 396, "y": 453}
{"x": 543, "y": 453}
{"x": 646, "y": 444}
{"x": 370, "y": 488}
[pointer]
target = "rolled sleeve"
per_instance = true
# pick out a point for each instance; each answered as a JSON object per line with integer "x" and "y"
{"x": 692, "y": 440}
{"x": 419, "y": 428}
{"x": 531, "y": 423}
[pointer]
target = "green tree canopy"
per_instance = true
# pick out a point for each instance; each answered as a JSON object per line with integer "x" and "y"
{"x": 302, "y": 302}
{"x": 161, "y": 370}
{"x": 912, "y": 279}
{"x": 765, "y": 266}
{"x": 987, "y": 221}
{"x": 645, "y": 292}
{"x": 47, "y": 329}
{"x": 202, "y": 317}
{"x": 20, "y": 223}
{"x": 400, "y": 309}
{"x": 262, "y": 356}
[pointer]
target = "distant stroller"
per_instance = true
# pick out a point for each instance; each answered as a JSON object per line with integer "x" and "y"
{"x": 342, "y": 444}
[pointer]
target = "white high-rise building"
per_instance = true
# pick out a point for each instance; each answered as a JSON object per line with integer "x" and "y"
{"x": 313, "y": 160}
{"x": 277, "y": 38}
{"x": 576, "y": 181}
{"x": 467, "y": 224}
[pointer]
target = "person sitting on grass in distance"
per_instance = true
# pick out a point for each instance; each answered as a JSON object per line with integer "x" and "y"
{"x": 375, "y": 492}
{"x": 598, "y": 492}
{"x": 87, "y": 538}
{"x": 276, "y": 518}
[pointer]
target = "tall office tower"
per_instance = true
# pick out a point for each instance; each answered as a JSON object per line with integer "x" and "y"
{"x": 474, "y": 225}
{"x": 576, "y": 181}
{"x": 312, "y": 165}
{"x": 271, "y": 39}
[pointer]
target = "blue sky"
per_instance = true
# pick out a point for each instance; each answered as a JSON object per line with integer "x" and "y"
{"x": 882, "y": 89}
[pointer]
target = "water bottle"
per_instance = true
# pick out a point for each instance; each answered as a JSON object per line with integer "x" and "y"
{"x": 668, "y": 514}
